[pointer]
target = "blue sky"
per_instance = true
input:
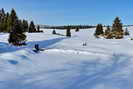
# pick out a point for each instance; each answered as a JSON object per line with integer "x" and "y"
{"x": 60, "y": 12}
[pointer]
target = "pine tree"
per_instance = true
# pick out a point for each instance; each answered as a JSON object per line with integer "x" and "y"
{"x": 108, "y": 30}
{"x": 117, "y": 25}
{"x": 4, "y": 25}
{"x": 68, "y": 32}
{"x": 3, "y": 11}
{"x": 2, "y": 14}
{"x": 99, "y": 30}
{"x": 8, "y": 20}
{"x": 2, "y": 19}
{"x": 126, "y": 32}
{"x": 17, "y": 36}
{"x": 54, "y": 32}
{"x": 25, "y": 25}
{"x": 32, "y": 27}
{"x": 117, "y": 28}
{"x": 38, "y": 28}
{"x": 12, "y": 19}
{"x": 108, "y": 33}
{"x": 77, "y": 30}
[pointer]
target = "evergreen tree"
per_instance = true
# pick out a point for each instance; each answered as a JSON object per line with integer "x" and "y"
{"x": 25, "y": 25}
{"x": 32, "y": 27}
{"x": 117, "y": 25}
{"x": 2, "y": 15}
{"x": 108, "y": 30}
{"x": 8, "y": 19}
{"x": 68, "y": 32}
{"x": 77, "y": 30}
{"x": 126, "y": 32}
{"x": 99, "y": 30}
{"x": 4, "y": 25}
{"x": 117, "y": 28}
{"x": 2, "y": 18}
{"x": 12, "y": 19}
{"x": 3, "y": 11}
{"x": 38, "y": 28}
{"x": 17, "y": 36}
{"x": 54, "y": 32}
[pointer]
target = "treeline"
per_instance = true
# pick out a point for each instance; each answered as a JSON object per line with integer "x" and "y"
{"x": 111, "y": 32}
{"x": 69, "y": 27}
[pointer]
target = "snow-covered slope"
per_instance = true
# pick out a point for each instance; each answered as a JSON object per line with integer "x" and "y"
{"x": 66, "y": 63}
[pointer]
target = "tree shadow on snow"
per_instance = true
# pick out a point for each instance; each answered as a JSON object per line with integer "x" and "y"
{"x": 93, "y": 73}
{"x": 81, "y": 75}
{"x": 5, "y": 47}
{"x": 46, "y": 43}
{"x": 89, "y": 74}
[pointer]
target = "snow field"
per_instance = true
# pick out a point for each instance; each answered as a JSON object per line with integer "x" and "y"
{"x": 66, "y": 63}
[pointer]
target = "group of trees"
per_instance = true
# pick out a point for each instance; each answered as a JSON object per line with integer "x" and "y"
{"x": 10, "y": 23}
{"x": 33, "y": 28}
{"x": 9, "y": 20}
{"x": 68, "y": 32}
{"x": 116, "y": 31}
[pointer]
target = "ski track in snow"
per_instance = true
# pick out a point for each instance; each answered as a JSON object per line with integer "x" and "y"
{"x": 74, "y": 52}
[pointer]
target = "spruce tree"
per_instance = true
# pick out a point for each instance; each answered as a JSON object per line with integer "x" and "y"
{"x": 13, "y": 16}
{"x": 12, "y": 19}
{"x": 77, "y": 30}
{"x": 54, "y": 32}
{"x": 38, "y": 28}
{"x": 8, "y": 18}
{"x": 108, "y": 33}
{"x": 4, "y": 25}
{"x": 3, "y": 11}
{"x": 99, "y": 30}
{"x": 32, "y": 27}
{"x": 2, "y": 14}
{"x": 17, "y": 36}
{"x": 25, "y": 25}
{"x": 108, "y": 30}
{"x": 126, "y": 32}
{"x": 117, "y": 25}
{"x": 68, "y": 32}
{"x": 117, "y": 28}
{"x": 2, "y": 19}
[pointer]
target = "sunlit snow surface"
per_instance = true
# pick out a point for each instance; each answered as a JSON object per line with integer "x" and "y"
{"x": 66, "y": 63}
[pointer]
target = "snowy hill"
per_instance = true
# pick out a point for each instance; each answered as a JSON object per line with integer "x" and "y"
{"x": 66, "y": 63}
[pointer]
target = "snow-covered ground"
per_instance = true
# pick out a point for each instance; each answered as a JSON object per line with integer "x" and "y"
{"x": 66, "y": 63}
